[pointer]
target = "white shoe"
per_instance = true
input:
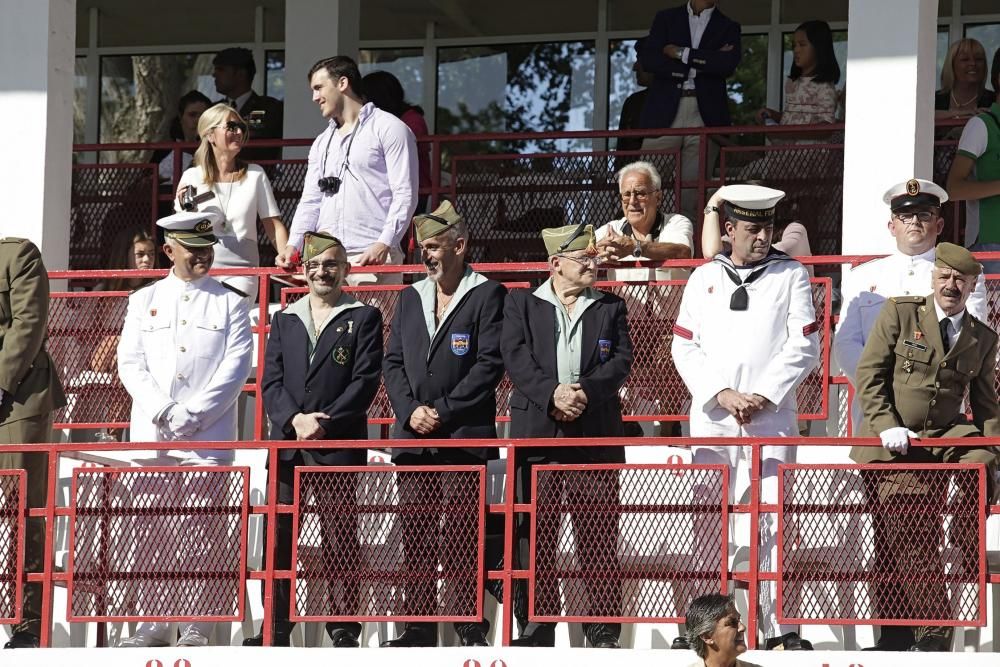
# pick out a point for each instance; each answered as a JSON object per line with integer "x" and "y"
{"x": 192, "y": 637}
{"x": 142, "y": 641}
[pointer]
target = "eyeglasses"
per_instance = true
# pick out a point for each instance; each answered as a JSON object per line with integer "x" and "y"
{"x": 235, "y": 126}
{"x": 586, "y": 260}
{"x": 640, "y": 195}
{"x": 329, "y": 266}
{"x": 910, "y": 218}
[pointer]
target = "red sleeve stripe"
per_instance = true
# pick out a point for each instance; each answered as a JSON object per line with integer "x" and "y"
{"x": 682, "y": 332}
{"x": 810, "y": 328}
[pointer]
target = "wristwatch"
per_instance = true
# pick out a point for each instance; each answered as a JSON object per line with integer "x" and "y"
{"x": 637, "y": 250}
{"x": 710, "y": 209}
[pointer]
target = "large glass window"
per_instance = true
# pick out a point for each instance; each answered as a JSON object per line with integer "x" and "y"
{"x": 406, "y": 64}
{"x": 989, "y": 35}
{"x": 274, "y": 85}
{"x": 79, "y": 100}
{"x": 621, "y": 78}
{"x": 139, "y": 93}
{"x": 517, "y": 88}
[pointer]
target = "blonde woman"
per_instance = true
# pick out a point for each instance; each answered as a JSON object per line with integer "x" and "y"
{"x": 963, "y": 81}
{"x": 240, "y": 192}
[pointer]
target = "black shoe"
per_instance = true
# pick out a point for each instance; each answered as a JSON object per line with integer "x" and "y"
{"x": 277, "y": 639}
{"x": 680, "y": 642}
{"x": 22, "y": 640}
{"x": 412, "y": 637}
{"x": 891, "y": 640}
{"x": 544, "y": 634}
{"x": 931, "y": 644}
{"x": 790, "y": 641}
{"x": 472, "y": 635}
{"x": 343, "y": 638}
{"x": 604, "y": 640}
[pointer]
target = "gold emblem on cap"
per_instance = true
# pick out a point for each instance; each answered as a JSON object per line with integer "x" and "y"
{"x": 913, "y": 187}
{"x": 203, "y": 227}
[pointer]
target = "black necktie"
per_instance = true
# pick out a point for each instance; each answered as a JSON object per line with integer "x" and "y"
{"x": 945, "y": 339}
{"x": 738, "y": 301}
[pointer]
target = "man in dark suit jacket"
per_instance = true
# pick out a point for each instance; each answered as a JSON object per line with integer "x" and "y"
{"x": 29, "y": 392}
{"x": 690, "y": 51}
{"x": 234, "y": 70}
{"x": 441, "y": 369}
{"x": 566, "y": 347}
{"x": 321, "y": 372}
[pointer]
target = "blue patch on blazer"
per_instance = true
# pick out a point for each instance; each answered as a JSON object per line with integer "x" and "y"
{"x": 460, "y": 344}
{"x": 604, "y": 347}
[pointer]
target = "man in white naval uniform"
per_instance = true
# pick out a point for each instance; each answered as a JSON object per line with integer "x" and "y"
{"x": 184, "y": 355}
{"x": 915, "y": 222}
{"x": 744, "y": 339}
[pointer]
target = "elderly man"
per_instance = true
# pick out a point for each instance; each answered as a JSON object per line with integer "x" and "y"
{"x": 922, "y": 356}
{"x": 915, "y": 222}
{"x": 566, "y": 347}
{"x": 321, "y": 373}
{"x": 29, "y": 392}
{"x": 183, "y": 356}
{"x": 442, "y": 368}
{"x": 717, "y": 633}
{"x": 746, "y": 336}
{"x": 361, "y": 183}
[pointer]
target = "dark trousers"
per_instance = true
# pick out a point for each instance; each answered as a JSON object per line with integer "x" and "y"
{"x": 346, "y": 601}
{"x": 595, "y": 537}
{"x": 23, "y": 431}
{"x": 421, "y": 598}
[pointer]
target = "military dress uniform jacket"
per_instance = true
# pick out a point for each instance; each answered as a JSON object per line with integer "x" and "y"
{"x": 767, "y": 349}
{"x": 456, "y": 372}
{"x": 188, "y": 343}
{"x": 27, "y": 375}
{"x": 529, "y": 352}
{"x": 265, "y": 117}
{"x": 341, "y": 380}
{"x": 906, "y": 379}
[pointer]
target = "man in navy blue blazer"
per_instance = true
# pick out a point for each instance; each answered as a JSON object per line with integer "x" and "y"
{"x": 691, "y": 50}
{"x": 321, "y": 372}
{"x": 442, "y": 367}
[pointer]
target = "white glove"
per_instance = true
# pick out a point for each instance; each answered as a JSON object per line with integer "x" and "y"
{"x": 897, "y": 439}
{"x": 179, "y": 423}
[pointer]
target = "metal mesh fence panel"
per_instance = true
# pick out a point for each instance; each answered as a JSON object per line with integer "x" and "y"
{"x": 11, "y": 540}
{"x": 630, "y": 542}
{"x": 892, "y": 543}
{"x": 158, "y": 543}
{"x": 390, "y": 543}
{"x": 508, "y": 199}
{"x": 105, "y": 200}
{"x": 83, "y": 336}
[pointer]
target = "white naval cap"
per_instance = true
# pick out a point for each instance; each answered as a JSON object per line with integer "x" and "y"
{"x": 914, "y": 192}
{"x": 192, "y": 229}
{"x": 753, "y": 203}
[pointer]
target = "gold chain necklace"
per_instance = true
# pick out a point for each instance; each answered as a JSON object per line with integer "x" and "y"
{"x": 966, "y": 103}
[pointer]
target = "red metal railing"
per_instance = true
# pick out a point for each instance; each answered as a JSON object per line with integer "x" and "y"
{"x": 940, "y": 515}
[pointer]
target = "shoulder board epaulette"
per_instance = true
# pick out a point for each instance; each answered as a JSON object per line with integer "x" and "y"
{"x": 12, "y": 239}
{"x": 908, "y": 299}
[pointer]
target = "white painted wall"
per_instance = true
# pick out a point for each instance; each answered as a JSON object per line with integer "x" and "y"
{"x": 37, "y": 46}
{"x": 891, "y": 64}
{"x": 314, "y": 29}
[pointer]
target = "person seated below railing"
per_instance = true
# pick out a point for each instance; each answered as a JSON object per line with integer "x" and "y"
{"x": 717, "y": 633}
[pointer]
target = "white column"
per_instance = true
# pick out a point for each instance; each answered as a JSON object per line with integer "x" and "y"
{"x": 314, "y": 29}
{"x": 891, "y": 78}
{"x": 37, "y": 46}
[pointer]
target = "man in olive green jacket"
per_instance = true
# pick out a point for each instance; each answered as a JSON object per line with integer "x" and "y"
{"x": 921, "y": 356}
{"x": 29, "y": 392}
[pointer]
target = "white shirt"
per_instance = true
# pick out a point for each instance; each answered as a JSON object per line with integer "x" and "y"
{"x": 955, "y": 328}
{"x": 188, "y": 343}
{"x": 378, "y": 193}
{"x": 767, "y": 349}
{"x": 697, "y": 24}
{"x": 676, "y": 228}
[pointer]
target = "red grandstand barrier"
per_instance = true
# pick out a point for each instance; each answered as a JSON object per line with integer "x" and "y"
{"x": 509, "y": 509}
{"x": 12, "y": 525}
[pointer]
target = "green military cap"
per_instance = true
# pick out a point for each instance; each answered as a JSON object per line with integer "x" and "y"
{"x": 192, "y": 229}
{"x": 317, "y": 243}
{"x": 431, "y": 224}
{"x": 949, "y": 255}
{"x": 569, "y": 238}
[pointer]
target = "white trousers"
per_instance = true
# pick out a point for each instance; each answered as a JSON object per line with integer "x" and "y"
{"x": 782, "y": 423}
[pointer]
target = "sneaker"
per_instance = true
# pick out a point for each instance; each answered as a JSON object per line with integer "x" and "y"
{"x": 142, "y": 641}
{"x": 192, "y": 637}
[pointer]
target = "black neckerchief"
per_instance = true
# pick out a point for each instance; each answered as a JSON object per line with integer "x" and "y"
{"x": 654, "y": 233}
{"x": 739, "y": 298}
